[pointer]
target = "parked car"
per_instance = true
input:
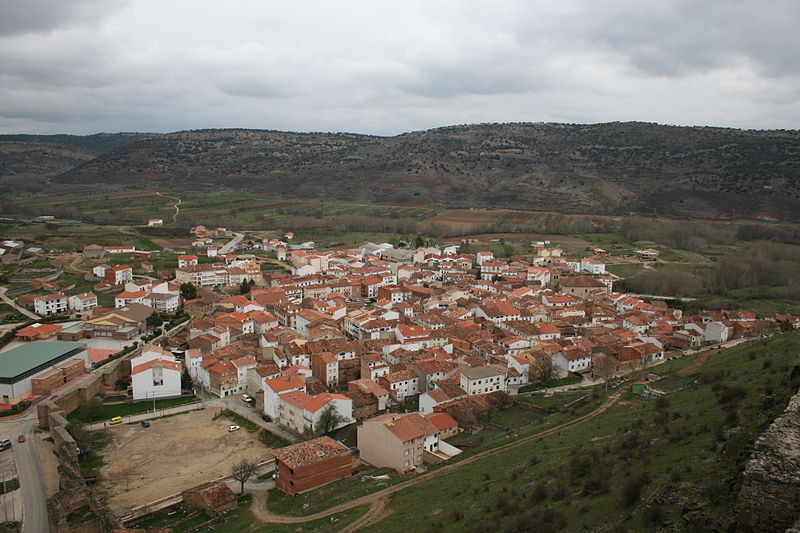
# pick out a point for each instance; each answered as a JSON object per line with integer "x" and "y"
{"x": 233, "y": 428}
{"x": 21, "y": 438}
{"x": 145, "y": 424}
{"x": 246, "y": 398}
{"x": 266, "y": 418}
{"x": 115, "y": 420}
{"x": 5, "y": 444}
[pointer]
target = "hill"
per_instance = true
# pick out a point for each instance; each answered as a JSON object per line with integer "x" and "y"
{"x": 613, "y": 168}
{"x": 45, "y": 156}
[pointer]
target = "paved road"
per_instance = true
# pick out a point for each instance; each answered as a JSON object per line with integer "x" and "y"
{"x": 231, "y": 245}
{"x": 13, "y": 304}
{"x": 31, "y": 477}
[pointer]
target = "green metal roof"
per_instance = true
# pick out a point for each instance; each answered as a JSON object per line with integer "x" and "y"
{"x": 28, "y": 356}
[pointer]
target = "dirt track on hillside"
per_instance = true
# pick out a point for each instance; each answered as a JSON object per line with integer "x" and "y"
{"x": 379, "y": 501}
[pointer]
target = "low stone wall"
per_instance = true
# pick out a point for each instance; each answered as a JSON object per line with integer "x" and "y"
{"x": 769, "y": 501}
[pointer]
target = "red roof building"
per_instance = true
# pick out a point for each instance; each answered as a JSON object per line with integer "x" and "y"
{"x": 307, "y": 465}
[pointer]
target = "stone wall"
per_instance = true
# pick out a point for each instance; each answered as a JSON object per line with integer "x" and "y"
{"x": 770, "y": 497}
{"x": 80, "y": 395}
{"x": 73, "y": 494}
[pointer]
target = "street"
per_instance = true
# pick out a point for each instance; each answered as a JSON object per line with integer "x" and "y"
{"x": 31, "y": 478}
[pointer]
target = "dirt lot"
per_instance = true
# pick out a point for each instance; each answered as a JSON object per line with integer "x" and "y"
{"x": 173, "y": 454}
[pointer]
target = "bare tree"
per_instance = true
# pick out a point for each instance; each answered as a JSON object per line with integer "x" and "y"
{"x": 540, "y": 368}
{"x": 329, "y": 419}
{"x": 125, "y": 469}
{"x": 242, "y": 471}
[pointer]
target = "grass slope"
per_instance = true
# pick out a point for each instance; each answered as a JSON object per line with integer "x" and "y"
{"x": 639, "y": 465}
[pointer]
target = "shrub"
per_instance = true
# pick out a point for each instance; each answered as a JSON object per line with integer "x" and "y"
{"x": 653, "y": 515}
{"x": 632, "y": 490}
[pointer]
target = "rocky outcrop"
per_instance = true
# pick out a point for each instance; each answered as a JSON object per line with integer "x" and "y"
{"x": 770, "y": 497}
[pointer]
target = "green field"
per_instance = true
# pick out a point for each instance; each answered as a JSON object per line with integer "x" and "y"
{"x": 106, "y": 412}
{"x": 611, "y": 470}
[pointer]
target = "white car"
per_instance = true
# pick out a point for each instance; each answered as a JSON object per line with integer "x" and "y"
{"x": 246, "y": 398}
{"x": 233, "y": 428}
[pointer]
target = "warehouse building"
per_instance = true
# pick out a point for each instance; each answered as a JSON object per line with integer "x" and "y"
{"x": 20, "y": 366}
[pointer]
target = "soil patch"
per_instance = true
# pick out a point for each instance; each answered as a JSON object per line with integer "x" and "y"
{"x": 175, "y": 453}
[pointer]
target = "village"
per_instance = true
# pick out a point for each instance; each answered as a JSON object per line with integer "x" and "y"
{"x": 409, "y": 345}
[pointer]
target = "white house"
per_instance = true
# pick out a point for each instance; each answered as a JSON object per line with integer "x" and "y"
{"x": 567, "y": 361}
{"x": 483, "y": 379}
{"x": 50, "y": 304}
{"x": 82, "y": 302}
{"x": 272, "y": 388}
{"x": 155, "y": 374}
{"x": 592, "y": 266}
{"x": 715, "y": 332}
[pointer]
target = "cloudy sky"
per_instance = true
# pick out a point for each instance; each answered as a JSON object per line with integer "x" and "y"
{"x": 85, "y": 66}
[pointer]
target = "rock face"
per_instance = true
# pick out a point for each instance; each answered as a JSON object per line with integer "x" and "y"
{"x": 770, "y": 497}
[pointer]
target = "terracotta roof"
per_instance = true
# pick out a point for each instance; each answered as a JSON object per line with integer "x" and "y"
{"x": 284, "y": 383}
{"x": 310, "y": 451}
{"x": 170, "y": 365}
{"x": 442, "y": 421}
{"x": 407, "y": 427}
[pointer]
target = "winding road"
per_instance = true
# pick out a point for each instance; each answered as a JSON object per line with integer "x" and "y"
{"x": 176, "y": 205}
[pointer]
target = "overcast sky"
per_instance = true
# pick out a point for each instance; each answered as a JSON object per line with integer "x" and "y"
{"x": 85, "y": 66}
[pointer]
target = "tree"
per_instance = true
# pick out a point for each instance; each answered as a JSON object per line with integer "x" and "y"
{"x": 186, "y": 379}
{"x": 92, "y": 410}
{"x": 155, "y": 320}
{"x": 540, "y": 368}
{"x": 125, "y": 468}
{"x": 329, "y": 420}
{"x": 188, "y": 291}
{"x": 242, "y": 471}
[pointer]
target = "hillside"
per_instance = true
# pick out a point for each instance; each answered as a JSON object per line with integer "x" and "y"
{"x": 604, "y": 168}
{"x": 45, "y": 156}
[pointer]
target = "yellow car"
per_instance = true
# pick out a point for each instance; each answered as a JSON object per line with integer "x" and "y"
{"x": 115, "y": 420}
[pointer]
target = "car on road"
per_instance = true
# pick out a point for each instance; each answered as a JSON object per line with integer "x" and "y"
{"x": 145, "y": 424}
{"x": 21, "y": 438}
{"x": 266, "y": 418}
{"x": 233, "y": 428}
{"x": 115, "y": 420}
{"x": 246, "y": 398}
{"x": 5, "y": 444}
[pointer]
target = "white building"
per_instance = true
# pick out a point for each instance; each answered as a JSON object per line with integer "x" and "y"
{"x": 50, "y": 304}
{"x": 483, "y": 379}
{"x": 82, "y": 302}
{"x": 155, "y": 374}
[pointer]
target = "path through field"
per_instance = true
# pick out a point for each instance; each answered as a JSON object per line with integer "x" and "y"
{"x": 176, "y": 205}
{"x": 378, "y": 501}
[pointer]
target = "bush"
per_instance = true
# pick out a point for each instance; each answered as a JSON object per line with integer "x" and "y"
{"x": 632, "y": 490}
{"x": 653, "y": 516}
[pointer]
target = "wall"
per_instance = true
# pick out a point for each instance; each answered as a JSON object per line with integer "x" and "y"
{"x": 769, "y": 500}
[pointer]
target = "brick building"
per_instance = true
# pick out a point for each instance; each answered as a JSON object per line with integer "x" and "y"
{"x": 307, "y": 465}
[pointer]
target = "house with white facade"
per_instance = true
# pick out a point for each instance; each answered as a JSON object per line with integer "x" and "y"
{"x": 483, "y": 379}
{"x": 50, "y": 304}
{"x": 155, "y": 374}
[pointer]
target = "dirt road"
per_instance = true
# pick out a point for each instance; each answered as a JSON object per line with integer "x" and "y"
{"x": 378, "y": 501}
{"x": 176, "y": 205}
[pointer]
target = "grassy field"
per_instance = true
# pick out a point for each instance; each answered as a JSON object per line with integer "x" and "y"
{"x": 106, "y": 412}
{"x": 628, "y": 468}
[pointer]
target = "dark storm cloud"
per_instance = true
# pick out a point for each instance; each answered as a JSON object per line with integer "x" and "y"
{"x": 373, "y": 67}
{"x": 34, "y": 16}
